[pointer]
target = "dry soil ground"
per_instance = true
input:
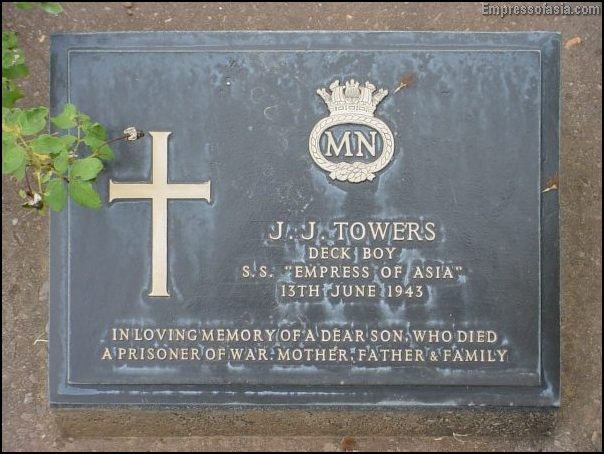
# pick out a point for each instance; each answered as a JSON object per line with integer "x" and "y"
{"x": 27, "y": 422}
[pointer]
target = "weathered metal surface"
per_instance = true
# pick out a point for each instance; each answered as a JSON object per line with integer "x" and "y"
{"x": 475, "y": 136}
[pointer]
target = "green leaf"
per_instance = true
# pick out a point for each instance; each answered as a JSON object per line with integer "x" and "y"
{"x": 86, "y": 169}
{"x": 32, "y": 121}
{"x": 95, "y": 138}
{"x": 19, "y": 174}
{"x": 11, "y": 95}
{"x": 93, "y": 143}
{"x": 84, "y": 194}
{"x": 9, "y": 40}
{"x": 51, "y": 7}
{"x": 10, "y": 118}
{"x": 105, "y": 153}
{"x": 84, "y": 120}
{"x": 10, "y": 58}
{"x": 47, "y": 144}
{"x": 67, "y": 118}
{"x": 55, "y": 195}
{"x": 95, "y": 131}
{"x": 25, "y": 5}
{"x": 68, "y": 140}
{"x": 61, "y": 162}
{"x": 15, "y": 71}
{"x": 13, "y": 156}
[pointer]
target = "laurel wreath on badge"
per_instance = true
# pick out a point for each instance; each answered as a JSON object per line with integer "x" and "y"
{"x": 352, "y": 104}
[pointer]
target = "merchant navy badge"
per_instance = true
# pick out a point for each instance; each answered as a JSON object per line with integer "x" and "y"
{"x": 351, "y": 143}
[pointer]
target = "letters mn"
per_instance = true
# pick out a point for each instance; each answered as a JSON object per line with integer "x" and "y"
{"x": 361, "y": 140}
{"x": 159, "y": 191}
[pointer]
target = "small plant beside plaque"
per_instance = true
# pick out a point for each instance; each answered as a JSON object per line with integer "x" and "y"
{"x": 52, "y": 166}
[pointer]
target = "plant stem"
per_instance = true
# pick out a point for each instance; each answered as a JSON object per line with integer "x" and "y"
{"x": 114, "y": 140}
{"x": 29, "y": 191}
{"x": 107, "y": 142}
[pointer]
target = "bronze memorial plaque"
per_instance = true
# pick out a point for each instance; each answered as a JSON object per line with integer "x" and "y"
{"x": 312, "y": 219}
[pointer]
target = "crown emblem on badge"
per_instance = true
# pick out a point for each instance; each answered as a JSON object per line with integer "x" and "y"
{"x": 352, "y": 97}
{"x": 356, "y": 153}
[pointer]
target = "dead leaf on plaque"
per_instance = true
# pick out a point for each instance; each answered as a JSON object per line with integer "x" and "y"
{"x": 552, "y": 184}
{"x": 405, "y": 81}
